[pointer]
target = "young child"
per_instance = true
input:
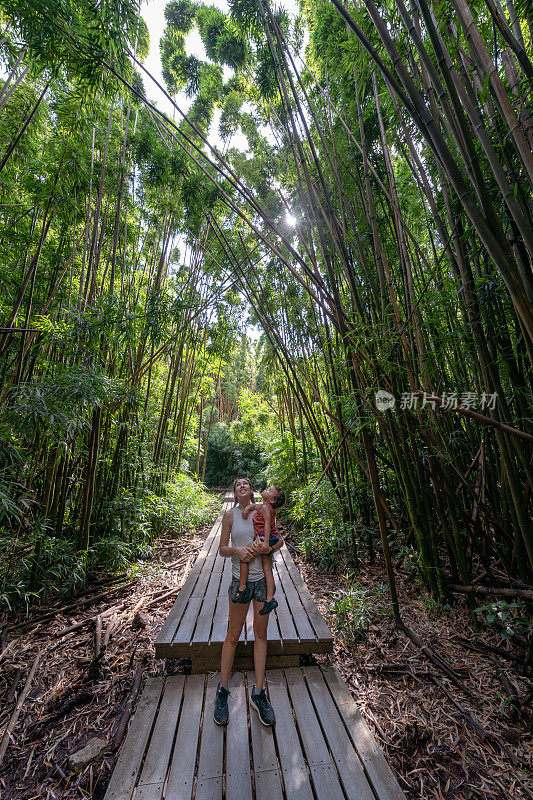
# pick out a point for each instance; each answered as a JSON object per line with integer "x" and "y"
{"x": 265, "y": 528}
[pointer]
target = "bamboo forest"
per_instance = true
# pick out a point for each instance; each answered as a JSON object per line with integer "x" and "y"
{"x": 291, "y": 242}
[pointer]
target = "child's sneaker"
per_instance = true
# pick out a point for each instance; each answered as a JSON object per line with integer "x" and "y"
{"x": 269, "y": 606}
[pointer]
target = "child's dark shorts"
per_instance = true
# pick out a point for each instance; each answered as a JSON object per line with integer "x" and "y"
{"x": 258, "y": 588}
{"x": 272, "y": 540}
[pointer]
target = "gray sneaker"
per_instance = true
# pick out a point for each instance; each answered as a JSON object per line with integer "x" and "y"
{"x": 260, "y": 702}
{"x": 221, "y": 714}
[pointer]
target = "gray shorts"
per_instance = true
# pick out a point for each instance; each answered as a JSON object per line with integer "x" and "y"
{"x": 259, "y": 589}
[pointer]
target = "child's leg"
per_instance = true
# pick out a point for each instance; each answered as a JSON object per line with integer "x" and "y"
{"x": 270, "y": 603}
{"x": 244, "y": 592}
{"x": 269, "y": 577}
{"x": 243, "y": 574}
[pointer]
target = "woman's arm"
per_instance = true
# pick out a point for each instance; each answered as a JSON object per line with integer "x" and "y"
{"x": 242, "y": 553}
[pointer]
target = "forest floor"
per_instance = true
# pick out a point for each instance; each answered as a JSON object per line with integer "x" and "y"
{"x": 437, "y": 748}
{"x": 433, "y": 746}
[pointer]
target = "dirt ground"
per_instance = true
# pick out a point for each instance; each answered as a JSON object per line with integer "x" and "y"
{"x": 437, "y": 748}
{"x": 433, "y": 746}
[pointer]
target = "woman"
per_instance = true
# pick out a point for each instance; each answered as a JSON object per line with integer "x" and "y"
{"x": 244, "y": 548}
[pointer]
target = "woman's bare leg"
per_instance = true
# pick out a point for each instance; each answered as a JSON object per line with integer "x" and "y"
{"x": 269, "y": 577}
{"x": 260, "y": 643}
{"x": 237, "y": 616}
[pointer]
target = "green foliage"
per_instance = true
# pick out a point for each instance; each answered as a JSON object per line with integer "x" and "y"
{"x": 318, "y": 515}
{"x": 281, "y": 469}
{"x": 232, "y": 49}
{"x": 354, "y": 609}
{"x": 247, "y": 15}
{"x": 54, "y": 565}
{"x": 230, "y": 455}
{"x": 240, "y": 448}
{"x": 143, "y": 40}
{"x": 180, "y": 15}
{"x": 507, "y": 614}
{"x": 211, "y": 24}
{"x": 265, "y": 74}
{"x": 78, "y": 36}
{"x": 183, "y": 504}
{"x": 230, "y": 116}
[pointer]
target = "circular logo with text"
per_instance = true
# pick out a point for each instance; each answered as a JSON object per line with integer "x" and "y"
{"x": 384, "y": 400}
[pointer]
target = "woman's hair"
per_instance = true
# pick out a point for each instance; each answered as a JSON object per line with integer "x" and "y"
{"x": 243, "y": 478}
{"x": 280, "y": 499}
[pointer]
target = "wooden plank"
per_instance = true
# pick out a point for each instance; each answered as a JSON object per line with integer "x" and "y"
{"x": 288, "y": 632}
{"x": 323, "y": 772}
{"x": 212, "y": 663}
{"x": 304, "y": 628}
{"x": 124, "y": 776}
{"x": 149, "y": 791}
{"x": 295, "y": 775}
{"x": 158, "y": 756}
{"x": 204, "y": 623}
{"x": 172, "y": 623}
{"x": 202, "y": 631}
{"x": 238, "y": 775}
{"x": 326, "y": 782}
{"x": 265, "y": 763}
{"x": 170, "y": 626}
{"x": 209, "y": 783}
{"x": 208, "y": 566}
{"x": 187, "y": 624}
{"x": 220, "y": 618}
{"x": 273, "y": 630}
{"x": 316, "y": 618}
{"x": 180, "y": 779}
{"x": 351, "y": 773}
{"x": 374, "y": 762}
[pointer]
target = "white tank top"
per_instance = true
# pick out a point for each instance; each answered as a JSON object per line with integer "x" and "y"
{"x": 242, "y": 533}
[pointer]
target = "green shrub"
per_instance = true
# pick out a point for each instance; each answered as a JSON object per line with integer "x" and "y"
{"x": 229, "y": 455}
{"x": 325, "y": 538}
{"x": 508, "y": 614}
{"x": 353, "y": 610}
{"x": 281, "y": 469}
{"x": 44, "y": 565}
{"x": 185, "y": 504}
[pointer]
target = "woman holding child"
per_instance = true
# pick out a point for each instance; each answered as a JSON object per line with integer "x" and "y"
{"x": 249, "y": 584}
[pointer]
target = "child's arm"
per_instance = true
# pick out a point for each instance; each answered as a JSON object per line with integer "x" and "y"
{"x": 265, "y": 511}
{"x": 249, "y": 509}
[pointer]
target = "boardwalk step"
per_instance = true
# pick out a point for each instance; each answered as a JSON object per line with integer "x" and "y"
{"x": 197, "y": 623}
{"x": 320, "y": 747}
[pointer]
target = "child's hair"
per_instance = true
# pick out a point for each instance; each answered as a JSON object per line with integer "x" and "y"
{"x": 243, "y": 478}
{"x": 280, "y": 499}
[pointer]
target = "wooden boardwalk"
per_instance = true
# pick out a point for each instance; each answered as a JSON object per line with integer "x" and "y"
{"x": 197, "y": 624}
{"x": 319, "y": 749}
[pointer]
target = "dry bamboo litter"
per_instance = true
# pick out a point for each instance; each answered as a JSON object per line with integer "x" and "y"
{"x": 433, "y": 752}
{"x": 18, "y": 707}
